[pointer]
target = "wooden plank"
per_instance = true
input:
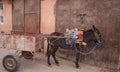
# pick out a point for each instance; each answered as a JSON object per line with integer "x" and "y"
{"x": 31, "y": 23}
{"x": 28, "y": 42}
{"x": 32, "y": 5}
{"x": 18, "y": 15}
{"x": 32, "y": 16}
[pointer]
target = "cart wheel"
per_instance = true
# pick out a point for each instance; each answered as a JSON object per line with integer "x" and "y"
{"x": 27, "y": 54}
{"x": 10, "y": 63}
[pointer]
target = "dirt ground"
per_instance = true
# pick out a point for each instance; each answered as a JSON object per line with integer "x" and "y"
{"x": 40, "y": 65}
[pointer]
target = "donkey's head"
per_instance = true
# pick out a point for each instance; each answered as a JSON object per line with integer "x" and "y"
{"x": 92, "y": 35}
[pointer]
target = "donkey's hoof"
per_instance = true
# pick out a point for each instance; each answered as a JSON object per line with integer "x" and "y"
{"x": 49, "y": 64}
{"x": 57, "y": 63}
{"x": 77, "y": 66}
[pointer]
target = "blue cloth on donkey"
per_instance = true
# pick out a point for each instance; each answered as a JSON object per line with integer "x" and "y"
{"x": 71, "y": 41}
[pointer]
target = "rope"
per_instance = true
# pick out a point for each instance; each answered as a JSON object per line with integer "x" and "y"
{"x": 58, "y": 37}
{"x": 49, "y": 36}
{"x": 92, "y": 50}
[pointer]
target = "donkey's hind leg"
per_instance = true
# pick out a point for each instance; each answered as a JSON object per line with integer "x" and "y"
{"x": 77, "y": 60}
{"x": 77, "y": 56}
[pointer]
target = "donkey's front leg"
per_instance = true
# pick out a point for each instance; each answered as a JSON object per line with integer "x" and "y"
{"x": 54, "y": 55}
{"x": 56, "y": 61}
{"x": 77, "y": 60}
{"x": 48, "y": 59}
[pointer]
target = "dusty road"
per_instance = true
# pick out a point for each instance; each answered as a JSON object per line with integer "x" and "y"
{"x": 40, "y": 65}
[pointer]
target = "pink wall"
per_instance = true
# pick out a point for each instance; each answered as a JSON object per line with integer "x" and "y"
{"x": 47, "y": 16}
{"x": 7, "y": 26}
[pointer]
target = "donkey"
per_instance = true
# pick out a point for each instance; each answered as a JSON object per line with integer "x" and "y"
{"x": 60, "y": 42}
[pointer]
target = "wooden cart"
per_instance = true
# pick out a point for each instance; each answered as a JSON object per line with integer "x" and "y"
{"x": 26, "y": 45}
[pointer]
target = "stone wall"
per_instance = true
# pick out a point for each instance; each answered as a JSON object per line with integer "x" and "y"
{"x": 104, "y": 14}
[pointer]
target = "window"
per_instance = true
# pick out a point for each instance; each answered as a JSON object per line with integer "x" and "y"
{"x": 1, "y": 13}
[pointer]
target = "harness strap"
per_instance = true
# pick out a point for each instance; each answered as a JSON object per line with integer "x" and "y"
{"x": 92, "y": 50}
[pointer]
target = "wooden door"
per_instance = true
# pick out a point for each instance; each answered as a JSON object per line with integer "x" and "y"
{"x": 32, "y": 20}
{"x": 18, "y": 15}
{"x": 26, "y": 16}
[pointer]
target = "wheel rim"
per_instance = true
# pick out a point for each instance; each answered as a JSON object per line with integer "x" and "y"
{"x": 10, "y": 63}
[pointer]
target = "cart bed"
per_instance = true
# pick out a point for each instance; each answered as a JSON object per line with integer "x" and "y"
{"x": 25, "y": 42}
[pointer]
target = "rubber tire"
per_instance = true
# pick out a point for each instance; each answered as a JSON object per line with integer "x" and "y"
{"x": 27, "y": 54}
{"x": 16, "y": 61}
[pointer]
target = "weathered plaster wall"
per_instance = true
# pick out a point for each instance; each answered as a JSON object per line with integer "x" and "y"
{"x": 7, "y": 26}
{"x": 47, "y": 16}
